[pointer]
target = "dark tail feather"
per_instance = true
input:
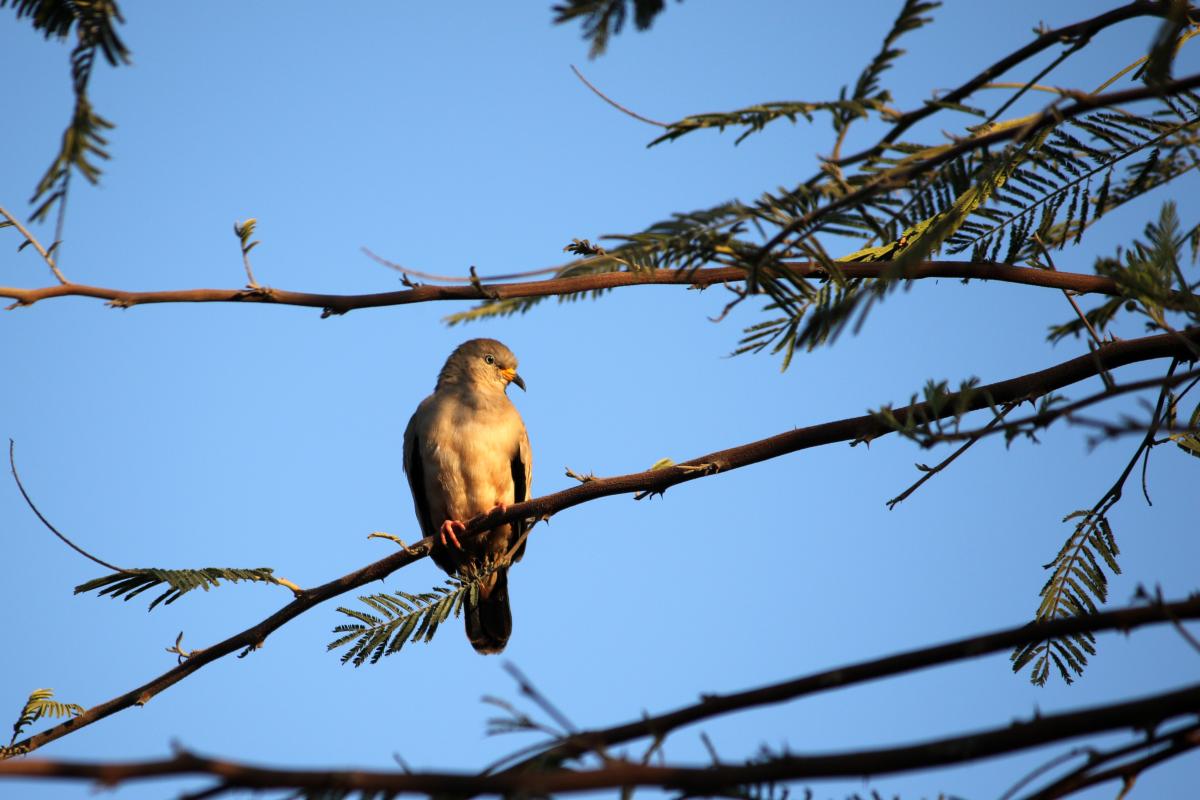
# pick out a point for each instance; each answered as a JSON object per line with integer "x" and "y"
{"x": 489, "y": 622}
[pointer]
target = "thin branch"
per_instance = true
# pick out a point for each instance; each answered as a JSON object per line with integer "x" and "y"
{"x": 930, "y": 472}
{"x": 1045, "y": 40}
{"x": 60, "y": 224}
{"x": 333, "y": 304}
{"x": 1044, "y": 418}
{"x": 655, "y": 480}
{"x": 1037, "y": 87}
{"x": 614, "y": 103}
{"x": 1042, "y": 769}
{"x": 462, "y": 278}
{"x": 1177, "y": 743}
{"x": 1010, "y": 738}
{"x": 12, "y": 462}
{"x": 1037, "y": 239}
{"x": 529, "y": 690}
{"x": 1049, "y": 117}
{"x": 1013, "y": 98}
{"x": 29, "y": 237}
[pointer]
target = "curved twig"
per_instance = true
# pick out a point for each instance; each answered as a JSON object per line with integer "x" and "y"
{"x": 614, "y": 103}
{"x": 403, "y": 270}
{"x": 12, "y": 462}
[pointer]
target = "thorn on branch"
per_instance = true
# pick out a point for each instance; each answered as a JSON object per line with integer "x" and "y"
{"x": 251, "y": 648}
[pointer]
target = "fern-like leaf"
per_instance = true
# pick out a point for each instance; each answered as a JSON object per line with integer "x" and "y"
{"x": 398, "y": 618}
{"x": 83, "y": 142}
{"x": 754, "y": 118}
{"x": 1077, "y": 585}
{"x": 41, "y": 703}
{"x": 603, "y": 19}
{"x": 909, "y": 19}
{"x": 128, "y": 585}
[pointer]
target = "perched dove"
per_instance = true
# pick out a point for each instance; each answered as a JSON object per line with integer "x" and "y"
{"x": 465, "y": 452}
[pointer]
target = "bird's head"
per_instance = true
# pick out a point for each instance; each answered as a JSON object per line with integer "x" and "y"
{"x": 484, "y": 364}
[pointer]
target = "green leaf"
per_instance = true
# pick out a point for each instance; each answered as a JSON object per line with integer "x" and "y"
{"x": 128, "y": 585}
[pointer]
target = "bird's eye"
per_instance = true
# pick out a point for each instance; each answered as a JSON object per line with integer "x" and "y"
{"x": 489, "y": 358}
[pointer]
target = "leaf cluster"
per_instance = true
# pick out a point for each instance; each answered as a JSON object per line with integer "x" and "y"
{"x": 41, "y": 703}
{"x": 754, "y": 118}
{"x": 905, "y": 200}
{"x": 396, "y": 618}
{"x": 1077, "y": 584}
{"x": 1188, "y": 441}
{"x": 938, "y": 411}
{"x": 83, "y": 141}
{"x": 129, "y": 584}
{"x": 603, "y": 19}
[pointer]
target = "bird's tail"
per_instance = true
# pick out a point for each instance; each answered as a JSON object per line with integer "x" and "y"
{"x": 489, "y": 621}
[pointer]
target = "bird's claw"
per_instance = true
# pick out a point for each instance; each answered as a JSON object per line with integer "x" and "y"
{"x": 447, "y": 533}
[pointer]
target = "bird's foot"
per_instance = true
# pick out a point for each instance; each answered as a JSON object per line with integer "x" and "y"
{"x": 448, "y": 530}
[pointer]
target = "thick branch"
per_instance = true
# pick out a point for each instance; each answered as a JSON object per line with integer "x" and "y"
{"x": 341, "y": 303}
{"x": 1123, "y": 619}
{"x": 1145, "y": 713}
{"x": 851, "y": 429}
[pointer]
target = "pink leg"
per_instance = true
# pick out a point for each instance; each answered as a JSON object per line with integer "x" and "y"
{"x": 448, "y": 530}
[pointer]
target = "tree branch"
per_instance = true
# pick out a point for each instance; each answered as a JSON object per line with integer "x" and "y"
{"x": 659, "y": 480}
{"x": 342, "y": 303}
{"x": 1046, "y": 39}
{"x": 1015, "y": 737}
{"x": 32, "y": 240}
{"x": 1051, "y": 116}
{"x": 1123, "y": 619}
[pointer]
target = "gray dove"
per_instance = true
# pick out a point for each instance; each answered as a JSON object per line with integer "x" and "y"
{"x": 466, "y": 452}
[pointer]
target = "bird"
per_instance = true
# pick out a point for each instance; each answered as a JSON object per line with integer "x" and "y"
{"x": 466, "y": 452}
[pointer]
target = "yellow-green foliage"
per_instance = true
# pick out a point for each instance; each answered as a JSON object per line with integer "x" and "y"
{"x": 41, "y": 703}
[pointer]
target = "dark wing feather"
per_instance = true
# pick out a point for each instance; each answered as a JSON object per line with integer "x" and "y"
{"x": 415, "y": 470}
{"x": 522, "y": 473}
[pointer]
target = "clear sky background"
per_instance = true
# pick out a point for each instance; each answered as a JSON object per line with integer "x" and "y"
{"x": 447, "y": 136}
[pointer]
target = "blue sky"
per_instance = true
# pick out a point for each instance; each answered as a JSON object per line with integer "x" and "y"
{"x": 440, "y": 137}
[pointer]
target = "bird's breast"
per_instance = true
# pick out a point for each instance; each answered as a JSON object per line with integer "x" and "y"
{"x": 472, "y": 462}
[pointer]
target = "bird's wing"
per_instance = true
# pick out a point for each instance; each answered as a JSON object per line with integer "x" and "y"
{"x": 522, "y": 475}
{"x": 414, "y": 468}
